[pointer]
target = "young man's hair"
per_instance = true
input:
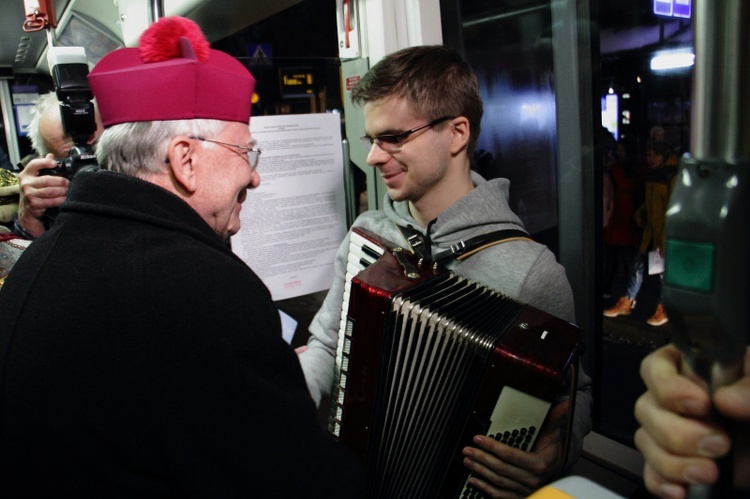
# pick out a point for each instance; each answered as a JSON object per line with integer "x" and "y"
{"x": 435, "y": 80}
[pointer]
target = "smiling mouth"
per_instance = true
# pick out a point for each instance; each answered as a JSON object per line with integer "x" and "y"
{"x": 392, "y": 179}
{"x": 387, "y": 176}
{"x": 242, "y": 196}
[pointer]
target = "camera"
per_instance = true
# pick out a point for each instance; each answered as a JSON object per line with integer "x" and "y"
{"x": 79, "y": 158}
{"x": 70, "y": 73}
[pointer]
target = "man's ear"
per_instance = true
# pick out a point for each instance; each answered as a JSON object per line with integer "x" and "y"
{"x": 460, "y": 132}
{"x": 182, "y": 161}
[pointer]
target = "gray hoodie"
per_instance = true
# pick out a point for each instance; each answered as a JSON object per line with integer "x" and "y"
{"x": 521, "y": 269}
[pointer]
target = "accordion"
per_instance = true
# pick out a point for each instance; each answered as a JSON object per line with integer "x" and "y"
{"x": 426, "y": 360}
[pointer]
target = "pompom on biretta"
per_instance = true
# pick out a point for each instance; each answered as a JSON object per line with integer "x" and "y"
{"x": 161, "y": 41}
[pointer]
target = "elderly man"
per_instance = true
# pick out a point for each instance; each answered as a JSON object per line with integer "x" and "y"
{"x": 40, "y": 193}
{"x": 140, "y": 357}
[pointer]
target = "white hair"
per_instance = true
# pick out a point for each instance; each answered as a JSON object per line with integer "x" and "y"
{"x": 140, "y": 148}
{"x": 47, "y": 106}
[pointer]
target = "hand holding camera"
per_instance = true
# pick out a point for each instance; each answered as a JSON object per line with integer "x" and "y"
{"x": 40, "y": 191}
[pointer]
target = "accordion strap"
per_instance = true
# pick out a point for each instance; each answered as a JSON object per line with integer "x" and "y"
{"x": 501, "y": 236}
{"x": 463, "y": 249}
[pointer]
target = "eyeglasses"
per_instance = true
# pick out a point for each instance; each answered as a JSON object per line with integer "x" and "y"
{"x": 253, "y": 154}
{"x": 393, "y": 142}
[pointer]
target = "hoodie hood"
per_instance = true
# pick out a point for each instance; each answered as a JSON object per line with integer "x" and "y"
{"x": 484, "y": 209}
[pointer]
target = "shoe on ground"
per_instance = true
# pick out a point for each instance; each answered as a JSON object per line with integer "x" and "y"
{"x": 624, "y": 306}
{"x": 659, "y": 318}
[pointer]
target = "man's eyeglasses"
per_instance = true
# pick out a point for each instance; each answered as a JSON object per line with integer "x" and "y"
{"x": 253, "y": 153}
{"x": 393, "y": 143}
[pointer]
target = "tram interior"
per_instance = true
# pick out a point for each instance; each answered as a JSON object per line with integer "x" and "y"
{"x": 512, "y": 51}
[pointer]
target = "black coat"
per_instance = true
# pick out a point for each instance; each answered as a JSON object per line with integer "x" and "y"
{"x": 142, "y": 358}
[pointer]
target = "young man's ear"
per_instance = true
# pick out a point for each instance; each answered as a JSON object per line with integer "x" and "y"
{"x": 461, "y": 131}
{"x": 182, "y": 160}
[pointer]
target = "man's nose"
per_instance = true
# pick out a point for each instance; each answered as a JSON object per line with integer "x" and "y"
{"x": 254, "y": 179}
{"x": 377, "y": 156}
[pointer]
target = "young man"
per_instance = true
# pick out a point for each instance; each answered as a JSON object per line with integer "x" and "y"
{"x": 139, "y": 357}
{"x": 422, "y": 112}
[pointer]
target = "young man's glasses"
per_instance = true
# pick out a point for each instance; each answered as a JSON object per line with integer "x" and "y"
{"x": 393, "y": 143}
{"x": 253, "y": 153}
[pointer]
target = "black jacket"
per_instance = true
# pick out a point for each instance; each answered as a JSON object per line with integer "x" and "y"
{"x": 141, "y": 358}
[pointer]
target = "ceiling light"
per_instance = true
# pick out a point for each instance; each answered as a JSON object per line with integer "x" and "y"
{"x": 666, "y": 61}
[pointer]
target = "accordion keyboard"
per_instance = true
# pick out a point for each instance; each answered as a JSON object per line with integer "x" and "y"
{"x": 362, "y": 253}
